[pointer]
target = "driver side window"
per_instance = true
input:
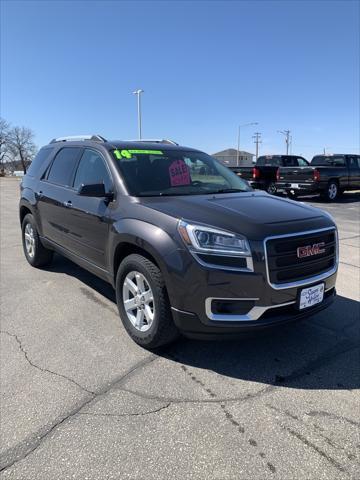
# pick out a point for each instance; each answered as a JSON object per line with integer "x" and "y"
{"x": 92, "y": 169}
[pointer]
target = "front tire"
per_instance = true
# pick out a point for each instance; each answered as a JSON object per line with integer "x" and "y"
{"x": 35, "y": 252}
{"x": 143, "y": 303}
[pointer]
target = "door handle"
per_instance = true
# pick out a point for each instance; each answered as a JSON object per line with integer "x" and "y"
{"x": 68, "y": 204}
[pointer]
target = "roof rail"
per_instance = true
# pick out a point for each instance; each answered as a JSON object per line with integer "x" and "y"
{"x": 156, "y": 140}
{"x": 79, "y": 138}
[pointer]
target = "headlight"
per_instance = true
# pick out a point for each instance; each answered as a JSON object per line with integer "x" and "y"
{"x": 211, "y": 240}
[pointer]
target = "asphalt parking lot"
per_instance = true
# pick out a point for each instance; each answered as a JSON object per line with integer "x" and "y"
{"x": 79, "y": 400}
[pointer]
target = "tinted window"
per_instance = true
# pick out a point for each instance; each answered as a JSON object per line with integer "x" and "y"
{"x": 302, "y": 162}
{"x": 39, "y": 161}
{"x": 271, "y": 160}
{"x": 354, "y": 162}
{"x": 290, "y": 162}
{"x": 92, "y": 169}
{"x": 175, "y": 172}
{"x": 333, "y": 160}
{"x": 62, "y": 169}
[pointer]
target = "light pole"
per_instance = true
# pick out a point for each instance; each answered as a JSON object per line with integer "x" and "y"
{"x": 138, "y": 94}
{"x": 238, "y": 142}
{"x": 286, "y": 133}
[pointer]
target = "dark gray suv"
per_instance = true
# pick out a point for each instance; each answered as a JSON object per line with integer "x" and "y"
{"x": 188, "y": 245}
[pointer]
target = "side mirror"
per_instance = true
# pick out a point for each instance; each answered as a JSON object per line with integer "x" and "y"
{"x": 93, "y": 190}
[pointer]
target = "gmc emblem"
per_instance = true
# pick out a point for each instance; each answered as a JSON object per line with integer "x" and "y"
{"x": 310, "y": 250}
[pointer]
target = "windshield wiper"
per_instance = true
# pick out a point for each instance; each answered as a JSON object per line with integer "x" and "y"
{"x": 228, "y": 190}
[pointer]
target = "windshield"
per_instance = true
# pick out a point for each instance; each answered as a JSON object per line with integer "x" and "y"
{"x": 172, "y": 172}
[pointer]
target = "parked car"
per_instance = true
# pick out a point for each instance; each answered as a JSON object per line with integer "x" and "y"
{"x": 328, "y": 175}
{"x": 263, "y": 174}
{"x": 198, "y": 253}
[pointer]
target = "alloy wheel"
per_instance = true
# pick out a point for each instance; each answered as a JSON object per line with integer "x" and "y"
{"x": 332, "y": 191}
{"x": 29, "y": 240}
{"x": 138, "y": 300}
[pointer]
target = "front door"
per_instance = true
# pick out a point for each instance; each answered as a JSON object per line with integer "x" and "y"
{"x": 90, "y": 217}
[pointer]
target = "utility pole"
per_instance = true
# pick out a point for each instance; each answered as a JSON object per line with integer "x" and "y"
{"x": 138, "y": 94}
{"x": 238, "y": 140}
{"x": 286, "y": 133}
{"x": 257, "y": 141}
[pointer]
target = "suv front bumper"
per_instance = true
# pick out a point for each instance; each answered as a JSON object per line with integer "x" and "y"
{"x": 191, "y": 326}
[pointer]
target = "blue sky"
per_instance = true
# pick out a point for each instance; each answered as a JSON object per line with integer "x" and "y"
{"x": 69, "y": 67}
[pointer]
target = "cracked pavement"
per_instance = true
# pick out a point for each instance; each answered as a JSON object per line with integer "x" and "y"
{"x": 79, "y": 400}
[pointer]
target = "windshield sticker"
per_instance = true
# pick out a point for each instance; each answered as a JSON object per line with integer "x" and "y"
{"x": 146, "y": 152}
{"x": 129, "y": 153}
{"x": 179, "y": 173}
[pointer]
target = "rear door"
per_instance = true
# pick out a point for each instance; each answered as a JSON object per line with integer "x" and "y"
{"x": 354, "y": 171}
{"x": 52, "y": 193}
{"x": 296, "y": 170}
{"x": 89, "y": 217}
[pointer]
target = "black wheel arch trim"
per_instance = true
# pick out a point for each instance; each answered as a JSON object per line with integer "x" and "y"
{"x": 139, "y": 234}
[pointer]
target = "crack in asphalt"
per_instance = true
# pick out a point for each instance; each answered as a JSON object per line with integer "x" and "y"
{"x": 23, "y": 449}
{"x": 43, "y": 369}
{"x": 319, "y": 430}
{"x": 314, "y": 447}
{"x": 31, "y": 443}
{"x": 245, "y": 398}
{"x": 349, "y": 264}
{"x": 321, "y": 413}
{"x": 139, "y": 414}
{"x": 228, "y": 415}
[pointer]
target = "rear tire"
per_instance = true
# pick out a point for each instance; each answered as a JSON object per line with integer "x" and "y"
{"x": 148, "y": 322}
{"x": 292, "y": 195}
{"x": 332, "y": 191}
{"x": 271, "y": 188}
{"x": 35, "y": 252}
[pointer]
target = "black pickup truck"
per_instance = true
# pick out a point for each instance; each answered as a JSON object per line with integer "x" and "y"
{"x": 263, "y": 175}
{"x": 327, "y": 175}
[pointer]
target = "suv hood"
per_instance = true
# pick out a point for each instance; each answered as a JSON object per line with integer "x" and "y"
{"x": 254, "y": 214}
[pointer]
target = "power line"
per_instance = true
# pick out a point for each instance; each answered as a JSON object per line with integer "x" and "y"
{"x": 257, "y": 141}
{"x": 286, "y": 133}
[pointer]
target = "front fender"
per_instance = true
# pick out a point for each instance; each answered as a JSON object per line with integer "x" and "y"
{"x": 166, "y": 250}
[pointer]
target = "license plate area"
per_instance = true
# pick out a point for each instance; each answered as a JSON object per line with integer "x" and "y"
{"x": 311, "y": 296}
{"x": 294, "y": 185}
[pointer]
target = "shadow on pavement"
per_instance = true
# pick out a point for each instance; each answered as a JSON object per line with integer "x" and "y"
{"x": 318, "y": 353}
{"x": 347, "y": 197}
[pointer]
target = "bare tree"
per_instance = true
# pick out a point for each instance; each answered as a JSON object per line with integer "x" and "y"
{"x": 4, "y": 140}
{"x": 21, "y": 145}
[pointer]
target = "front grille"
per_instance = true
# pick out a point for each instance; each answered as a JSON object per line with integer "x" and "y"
{"x": 284, "y": 265}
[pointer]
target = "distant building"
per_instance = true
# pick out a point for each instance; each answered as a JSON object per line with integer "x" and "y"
{"x": 229, "y": 157}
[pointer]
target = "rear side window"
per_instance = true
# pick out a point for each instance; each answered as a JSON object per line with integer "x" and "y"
{"x": 270, "y": 160}
{"x": 62, "y": 168}
{"x": 39, "y": 162}
{"x": 290, "y": 162}
{"x": 354, "y": 162}
{"x": 333, "y": 160}
{"x": 302, "y": 162}
{"x": 92, "y": 169}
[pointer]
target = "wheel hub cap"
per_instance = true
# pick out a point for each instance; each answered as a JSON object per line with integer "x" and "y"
{"x": 332, "y": 191}
{"x": 29, "y": 240}
{"x": 138, "y": 301}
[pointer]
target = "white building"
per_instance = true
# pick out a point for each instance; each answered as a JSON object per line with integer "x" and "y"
{"x": 229, "y": 157}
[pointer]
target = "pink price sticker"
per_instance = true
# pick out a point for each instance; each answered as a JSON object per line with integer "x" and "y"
{"x": 179, "y": 173}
